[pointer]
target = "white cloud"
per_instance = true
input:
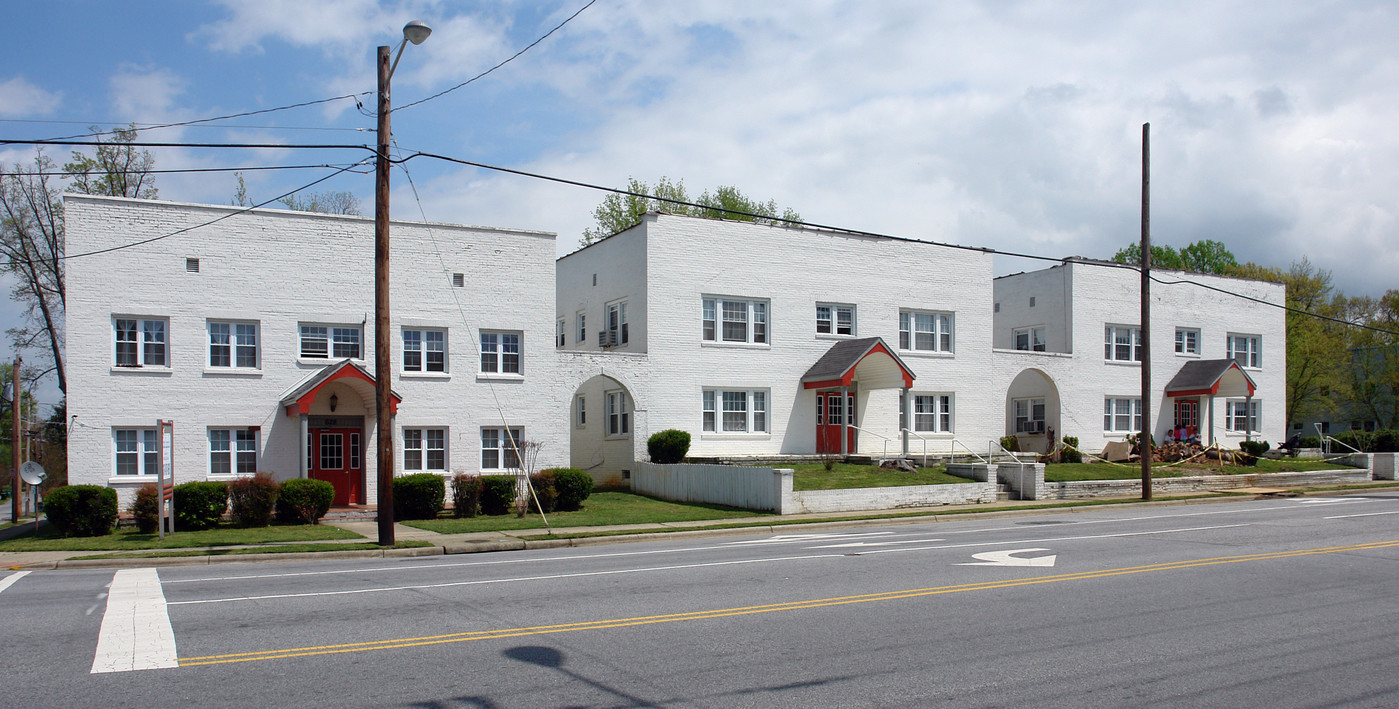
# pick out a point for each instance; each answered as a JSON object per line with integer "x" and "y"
{"x": 21, "y": 99}
{"x": 331, "y": 24}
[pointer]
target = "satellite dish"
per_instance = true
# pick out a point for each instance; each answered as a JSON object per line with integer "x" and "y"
{"x": 32, "y": 473}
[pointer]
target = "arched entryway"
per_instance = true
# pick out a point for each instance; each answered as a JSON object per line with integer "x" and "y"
{"x": 1033, "y": 411}
{"x": 603, "y": 429}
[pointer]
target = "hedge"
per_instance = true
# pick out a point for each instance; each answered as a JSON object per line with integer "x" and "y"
{"x": 546, "y": 495}
{"x": 418, "y": 496}
{"x": 573, "y": 486}
{"x": 304, "y": 501}
{"x": 668, "y": 446}
{"x": 466, "y": 495}
{"x": 146, "y": 509}
{"x": 497, "y": 494}
{"x": 200, "y": 505}
{"x": 82, "y": 510}
{"x": 252, "y": 499}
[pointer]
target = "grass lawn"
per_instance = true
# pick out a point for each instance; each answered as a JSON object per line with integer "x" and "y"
{"x": 49, "y": 539}
{"x": 1070, "y": 472}
{"x": 601, "y": 508}
{"x": 846, "y": 476}
{"x": 279, "y": 549}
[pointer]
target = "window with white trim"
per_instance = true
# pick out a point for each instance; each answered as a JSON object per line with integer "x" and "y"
{"x": 233, "y": 451}
{"x": 618, "y": 413}
{"x": 141, "y": 342}
{"x": 620, "y": 331}
{"x": 1122, "y": 414}
{"x": 331, "y": 342}
{"x": 734, "y": 411}
{"x": 932, "y": 413}
{"x": 1241, "y": 416}
{"x": 233, "y": 344}
{"x": 1244, "y": 350}
{"x": 733, "y": 320}
{"x": 1029, "y": 338}
{"x": 561, "y": 333}
{"x": 425, "y": 449}
{"x": 835, "y": 319}
{"x": 1029, "y": 415}
{"x": 138, "y": 451}
{"x": 582, "y": 328}
{"x": 925, "y": 331}
{"x": 424, "y": 350}
{"x": 1187, "y": 341}
{"x": 500, "y": 352}
{"x": 498, "y": 447}
{"x": 580, "y": 407}
{"x": 1122, "y": 343}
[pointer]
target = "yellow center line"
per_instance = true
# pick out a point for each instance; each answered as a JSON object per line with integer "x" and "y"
{"x": 390, "y": 644}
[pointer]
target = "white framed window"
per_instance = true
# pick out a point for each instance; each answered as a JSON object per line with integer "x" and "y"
{"x": 1187, "y": 341}
{"x": 618, "y": 413}
{"x": 582, "y": 327}
{"x": 500, "y": 352}
{"x": 561, "y": 333}
{"x": 331, "y": 342}
{"x": 1122, "y": 343}
{"x": 734, "y": 410}
{"x": 425, "y": 449}
{"x": 617, "y": 327}
{"x": 1029, "y": 415}
{"x": 1244, "y": 350}
{"x": 1241, "y": 416}
{"x": 1029, "y": 339}
{"x": 734, "y": 320}
{"x": 233, "y": 451}
{"x": 424, "y": 350}
{"x": 141, "y": 342}
{"x": 932, "y": 413}
{"x": 1122, "y": 414}
{"x": 138, "y": 451}
{"x": 580, "y": 408}
{"x": 925, "y": 331}
{"x": 498, "y": 447}
{"x": 834, "y": 319}
{"x": 233, "y": 344}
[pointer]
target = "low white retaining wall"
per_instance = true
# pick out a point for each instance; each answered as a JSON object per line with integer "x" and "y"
{"x": 743, "y": 486}
{"x": 1202, "y": 483}
{"x": 889, "y": 498}
{"x": 1024, "y": 480}
{"x": 1381, "y": 465}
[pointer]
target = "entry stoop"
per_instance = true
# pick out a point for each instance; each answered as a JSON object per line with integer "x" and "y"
{"x": 352, "y": 513}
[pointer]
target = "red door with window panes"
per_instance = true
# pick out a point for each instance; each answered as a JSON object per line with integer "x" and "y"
{"x": 336, "y": 456}
{"x": 829, "y": 412}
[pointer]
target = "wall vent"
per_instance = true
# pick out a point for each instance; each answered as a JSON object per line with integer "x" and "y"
{"x": 459, "y": 280}
{"x": 192, "y": 265}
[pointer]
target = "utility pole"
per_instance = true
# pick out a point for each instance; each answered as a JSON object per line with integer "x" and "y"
{"x": 1144, "y": 439}
{"x": 14, "y": 443}
{"x": 382, "y": 364}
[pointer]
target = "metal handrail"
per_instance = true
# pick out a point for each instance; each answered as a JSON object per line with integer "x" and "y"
{"x": 951, "y": 450}
{"x": 1326, "y": 450}
{"x": 876, "y": 435}
{"x": 957, "y": 442}
{"x": 921, "y": 438}
{"x": 1013, "y": 457}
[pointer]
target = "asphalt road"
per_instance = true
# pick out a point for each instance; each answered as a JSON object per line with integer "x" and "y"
{"x": 1276, "y": 603}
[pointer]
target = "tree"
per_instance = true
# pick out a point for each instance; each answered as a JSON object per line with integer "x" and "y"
{"x": 1316, "y": 348}
{"x": 1206, "y": 256}
{"x": 117, "y": 169}
{"x": 31, "y": 243}
{"x": 327, "y": 202}
{"x": 1372, "y": 381}
{"x": 619, "y": 212}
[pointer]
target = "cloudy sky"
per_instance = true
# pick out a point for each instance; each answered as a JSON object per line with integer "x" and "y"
{"x": 1010, "y": 125}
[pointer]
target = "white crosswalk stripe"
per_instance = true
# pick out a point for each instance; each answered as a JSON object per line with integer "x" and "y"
{"x": 136, "y": 632}
{"x": 11, "y": 579}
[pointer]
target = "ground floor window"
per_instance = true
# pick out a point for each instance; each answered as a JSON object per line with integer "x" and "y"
{"x": 499, "y": 447}
{"x": 735, "y": 411}
{"x": 618, "y": 414}
{"x": 232, "y": 450}
{"x": 1122, "y": 415}
{"x": 138, "y": 451}
{"x": 1029, "y": 415}
{"x": 1241, "y": 416}
{"x": 932, "y": 413}
{"x": 425, "y": 449}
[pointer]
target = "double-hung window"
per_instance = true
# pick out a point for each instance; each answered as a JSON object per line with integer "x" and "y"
{"x": 734, "y": 411}
{"x": 581, "y": 407}
{"x": 582, "y": 328}
{"x": 1122, "y": 343}
{"x": 232, "y": 451}
{"x": 925, "y": 331}
{"x": 233, "y": 345}
{"x": 1122, "y": 415}
{"x": 618, "y": 413}
{"x": 138, "y": 451}
{"x": 561, "y": 333}
{"x": 1029, "y": 339}
{"x": 424, "y": 350}
{"x": 1187, "y": 341}
{"x": 1244, "y": 350}
{"x": 619, "y": 332}
{"x": 1241, "y": 416}
{"x": 499, "y": 446}
{"x": 835, "y": 319}
{"x": 425, "y": 449}
{"x": 732, "y": 320}
{"x": 141, "y": 342}
{"x": 500, "y": 352}
{"x": 331, "y": 341}
{"x": 1029, "y": 415}
{"x": 932, "y": 413}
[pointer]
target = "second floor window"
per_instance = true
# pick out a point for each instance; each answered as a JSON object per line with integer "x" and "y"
{"x": 233, "y": 344}
{"x": 617, "y": 327}
{"x": 500, "y": 352}
{"x": 1122, "y": 343}
{"x": 835, "y": 319}
{"x": 330, "y": 341}
{"x": 1244, "y": 350}
{"x": 582, "y": 328}
{"x": 1030, "y": 338}
{"x": 141, "y": 342}
{"x": 424, "y": 351}
{"x": 1187, "y": 341}
{"x": 737, "y": 321}
{"x": 925, "y": 331}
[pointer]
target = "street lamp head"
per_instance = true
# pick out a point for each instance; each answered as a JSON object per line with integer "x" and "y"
{"x": 416, "y": 31}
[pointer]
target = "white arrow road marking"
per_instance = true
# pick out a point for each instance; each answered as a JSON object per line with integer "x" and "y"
{"x": 136, "y": 632}
{"x": 874, "y": 544}
{"x": 9, "y": 580}
{"x": 1008, "y": 558}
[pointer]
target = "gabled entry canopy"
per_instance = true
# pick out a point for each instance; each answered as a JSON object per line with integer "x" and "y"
{"x": 1211, "y": 377}
{"x": 867, "y": 359}
{"x": 299, "y": 399}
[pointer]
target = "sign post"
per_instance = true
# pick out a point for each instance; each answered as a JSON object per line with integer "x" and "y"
{"x": 166, "y": 476}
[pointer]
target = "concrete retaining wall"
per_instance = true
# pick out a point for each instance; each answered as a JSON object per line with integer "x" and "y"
{"x": 889, "y": 498}
{"x": 1024, "y": 481}
{"x": 1201, "y": 483}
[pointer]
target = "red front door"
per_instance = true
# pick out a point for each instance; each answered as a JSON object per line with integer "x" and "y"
{"x": 831, "y": 408}
{"x": 336, "y": 457}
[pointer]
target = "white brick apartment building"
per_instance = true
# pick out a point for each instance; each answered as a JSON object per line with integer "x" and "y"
{"x": 254, "y": 335}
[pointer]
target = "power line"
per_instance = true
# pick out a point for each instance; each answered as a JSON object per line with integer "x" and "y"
{"x": 507, "y": 61}
{"x": 253, "y": 168}
{"x": 153, "y": 126}
{"x": 286, "y": 146}
{"x": 231, "y": 115}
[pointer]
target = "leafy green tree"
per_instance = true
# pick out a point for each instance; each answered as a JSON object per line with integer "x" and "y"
{"x": 1372, "y": 379}
{"x": 619, "y": 212}
{"x": 117, "y": 169}
{"x": 1161, "y": 256}
{"x": 1316, "y": 348}
{"x": 328, "y": 202}
{"x": 1205, "y": 256}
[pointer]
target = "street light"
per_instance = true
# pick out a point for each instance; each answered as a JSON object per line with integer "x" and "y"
{"x": 415, "y": 32}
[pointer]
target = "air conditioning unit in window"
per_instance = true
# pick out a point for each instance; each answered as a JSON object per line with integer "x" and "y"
{"x": 607, "y": 338}
{"x": 1035, "y": 427}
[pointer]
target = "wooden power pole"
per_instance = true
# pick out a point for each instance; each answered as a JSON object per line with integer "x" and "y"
{"x": 1144, "y": 438}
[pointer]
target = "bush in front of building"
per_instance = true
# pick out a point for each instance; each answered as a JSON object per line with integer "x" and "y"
{"x": 668, "y": 446}
{"x": 145, "y": 509}
{"x": 497, "y": 494}
{"x": 252, "y": 500}
{"x": 1310, "y": 442}
{"x": 82, "y": 510}
{"x": 573, "y": 486}
{"x": 1010, "y": 443}
{"x": 466, "y": 495}
{"x": 304, "y": 501}
{"x": 1381, "y": 441}
{"x": 200, "y": 505}
{"x": 418, "y": 496}
{"x": 1072, "y": 454}
{"x": 546, "y": 495}
{"x": 1253, "y": 450}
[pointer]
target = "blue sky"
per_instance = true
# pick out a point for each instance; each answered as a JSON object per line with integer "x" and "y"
{"x": 1011, "y": 125}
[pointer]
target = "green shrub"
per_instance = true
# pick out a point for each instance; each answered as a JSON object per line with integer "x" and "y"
{"x": 1386, "y": 441}
{"x": 146, "y": 509}
{"x": 497, "y": 494}
{"x": 573, "y": 486}
{"x": 418, "y": 496}
{"x": 1310, "y": 442}
{"x": 546, "y": 495}
{"x": 304, "y": 501}
{"x": 1253, "y": 450}
{"x": 82, "y": 510}
{"x": 1010, "y": 443}
{"x": 466, "y": 495}
{"x": 1072, "y": 454}
{"x": 252, "y": 499}
{"x": 200, "y": 505}
{"x": 1363, "y": 441}
{"x": 668, "y": 446}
